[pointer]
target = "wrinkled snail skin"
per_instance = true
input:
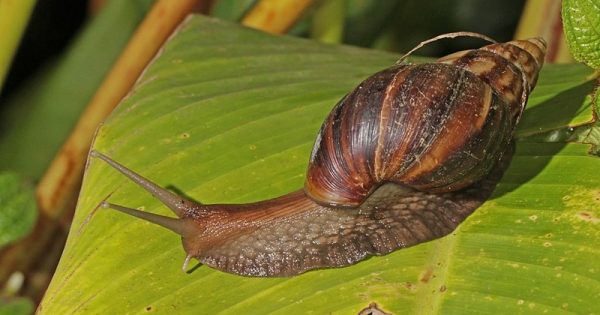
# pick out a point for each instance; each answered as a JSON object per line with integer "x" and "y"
{"x": 402, "y": 159}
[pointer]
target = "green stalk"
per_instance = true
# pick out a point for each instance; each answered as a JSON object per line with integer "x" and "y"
{"x": 13, "y": 19}
{"x": 328, "y": 21}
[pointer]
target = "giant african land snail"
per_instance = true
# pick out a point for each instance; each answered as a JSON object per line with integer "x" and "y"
{"x": 402, "y": 159}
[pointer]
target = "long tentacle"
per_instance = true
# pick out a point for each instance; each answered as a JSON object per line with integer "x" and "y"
{"x": 179, "y": 226}
{"x": 178, "y": 205}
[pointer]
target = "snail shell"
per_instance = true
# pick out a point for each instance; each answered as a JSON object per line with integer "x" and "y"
{"x": 402, "y": 159}
{"x": 434, "y": 127}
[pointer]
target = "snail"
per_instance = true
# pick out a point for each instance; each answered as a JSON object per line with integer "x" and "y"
{"x": 402, "y": 159}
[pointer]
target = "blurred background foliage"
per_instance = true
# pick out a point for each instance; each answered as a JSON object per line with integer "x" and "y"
{"x": 65, "y": 53}
{"x": 69, "y": 47}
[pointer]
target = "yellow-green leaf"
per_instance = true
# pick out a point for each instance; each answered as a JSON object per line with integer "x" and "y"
{"x": 228, "y": 114}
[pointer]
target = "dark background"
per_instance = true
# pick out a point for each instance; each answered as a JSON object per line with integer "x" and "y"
{"x": 54, "y": 23}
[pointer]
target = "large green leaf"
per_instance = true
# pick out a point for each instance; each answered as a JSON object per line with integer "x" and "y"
{"x": 227, "y": 114}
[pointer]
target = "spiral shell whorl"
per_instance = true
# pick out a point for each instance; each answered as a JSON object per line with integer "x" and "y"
{"x": 437, "y": 127}
{"x": 511, "y": 68}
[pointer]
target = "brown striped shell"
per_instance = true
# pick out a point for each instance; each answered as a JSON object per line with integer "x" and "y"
{"x": 435, "y": 127}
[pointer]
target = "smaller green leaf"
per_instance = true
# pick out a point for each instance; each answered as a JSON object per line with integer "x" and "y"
{"x": 17, "y": 306}
{"x": 580, "y": 20}
{"x": 18, "y": 210}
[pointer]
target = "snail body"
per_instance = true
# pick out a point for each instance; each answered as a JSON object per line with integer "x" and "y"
{"x": 402, "y": 159}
